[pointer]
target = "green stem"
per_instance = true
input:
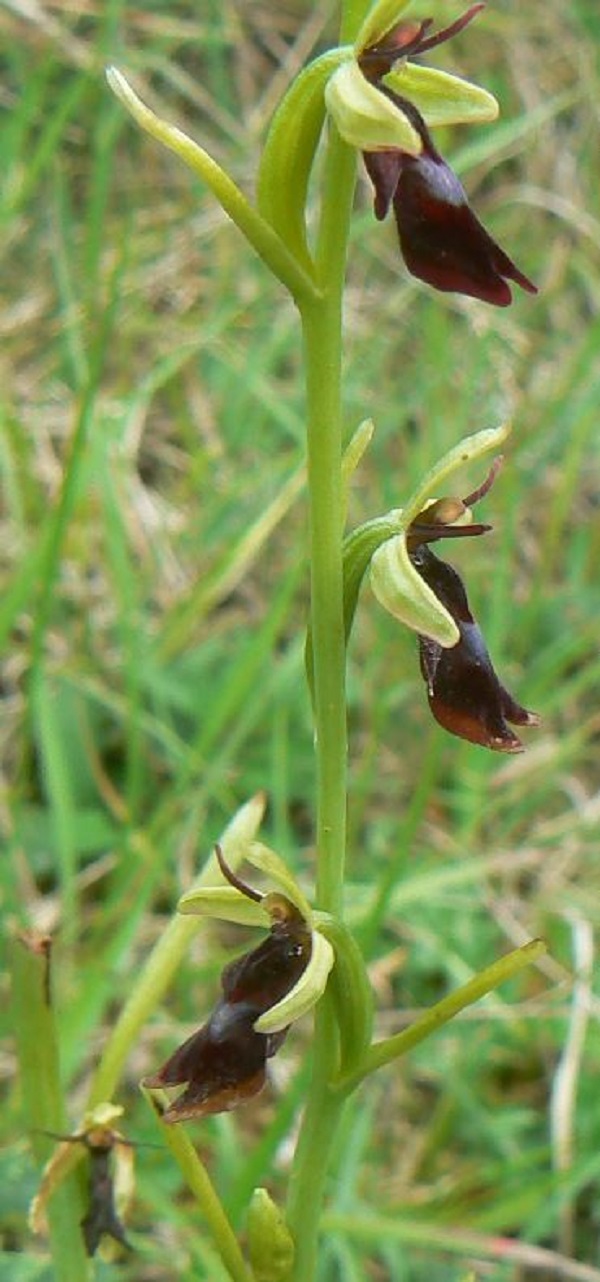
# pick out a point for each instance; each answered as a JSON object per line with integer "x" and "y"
{"x": 313, "y": 1151}
{"x": 486, "y": 981}
{"x": 322, "y": 329}
{"x": 198, "y": 1180}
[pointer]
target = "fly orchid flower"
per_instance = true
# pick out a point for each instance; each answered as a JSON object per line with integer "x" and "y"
{"x": 224, "y": 1063}
{"x": 465, "y": 695}
{"x": 441, "y": 239}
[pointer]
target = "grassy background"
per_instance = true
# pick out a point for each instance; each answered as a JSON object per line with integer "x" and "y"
{"x": 154, "y": 596}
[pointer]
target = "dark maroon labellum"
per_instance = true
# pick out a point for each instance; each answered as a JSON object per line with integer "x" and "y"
{"x": 223, "y": 1064}
{"x": 465, "y": 695}
{"x": 443, "y": 242}
{"x": 101, "y": 1216}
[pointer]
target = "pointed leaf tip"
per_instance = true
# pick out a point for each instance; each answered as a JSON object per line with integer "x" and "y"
{"x": 383, "y": 16}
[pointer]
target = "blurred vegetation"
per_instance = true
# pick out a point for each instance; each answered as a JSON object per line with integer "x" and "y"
{"x": 154, "y": 594}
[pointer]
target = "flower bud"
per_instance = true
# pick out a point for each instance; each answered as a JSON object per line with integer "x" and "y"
{"x": 270, "y": 1243}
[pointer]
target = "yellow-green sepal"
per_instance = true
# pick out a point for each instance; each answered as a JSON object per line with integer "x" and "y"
{"x": 468, "y": 450}
{"x": 224, "y": 903}
{"x": 441, "y": 98}
{"x": 401, "y": 591}
{"x": 365, "y": 118}
{"x": 265, "y": 859}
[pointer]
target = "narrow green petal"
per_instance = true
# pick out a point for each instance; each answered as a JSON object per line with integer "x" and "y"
{"x": 224, "y": 903}
{"x": 306, "y": 993}
{"x": 382, "y": 17}
{"x": 364, "y": 116}
{"x": 467, "y": 450}
{"x": 441, "y": 98}
{"x": 268, "y": 862}
{"x": 401, "y": 590}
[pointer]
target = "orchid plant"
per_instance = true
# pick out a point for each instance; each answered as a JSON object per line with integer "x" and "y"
{"x": 367, "y": 96}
